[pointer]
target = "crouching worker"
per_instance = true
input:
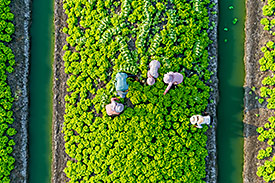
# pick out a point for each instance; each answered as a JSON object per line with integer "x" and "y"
{"x": 114, "y": 108}
{"x": 121, "y": 84}
{"x": 152, "y": 74}
{"x": 199, "y": 120}
{"x": 172, "y": 78}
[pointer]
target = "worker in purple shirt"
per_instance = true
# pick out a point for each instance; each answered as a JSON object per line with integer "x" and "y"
{"x": 152, "y": 74}
{"x": 172, "y": 78}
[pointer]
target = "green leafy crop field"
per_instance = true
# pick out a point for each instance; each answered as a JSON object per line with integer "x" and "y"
{"x": 266, "y": 132}
{"x": 152, "y": 139}
{"x": 6, "y": 66}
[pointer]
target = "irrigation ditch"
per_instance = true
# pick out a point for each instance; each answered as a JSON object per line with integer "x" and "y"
{"x": 40, "y": 92}
{"x": 231, "y": 78}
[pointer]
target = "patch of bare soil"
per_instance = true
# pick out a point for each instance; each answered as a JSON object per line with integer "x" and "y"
{"x": 256, "y": 37}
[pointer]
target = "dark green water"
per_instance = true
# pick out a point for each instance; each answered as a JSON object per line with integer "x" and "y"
{"x": 231, "y": 79}
{"x": 40, "y": 92}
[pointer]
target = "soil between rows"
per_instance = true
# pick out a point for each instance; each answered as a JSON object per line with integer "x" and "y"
{"x": 256, "y": 37}
{"x": 59, "y": 91}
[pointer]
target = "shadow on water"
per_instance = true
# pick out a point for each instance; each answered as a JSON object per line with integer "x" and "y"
{"x": 231, "y": 104}
{"x": 230, "y": 136}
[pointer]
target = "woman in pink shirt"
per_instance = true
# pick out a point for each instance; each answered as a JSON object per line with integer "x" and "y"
{"x": 114, "y": 108}
{"x": 172, "y": 78}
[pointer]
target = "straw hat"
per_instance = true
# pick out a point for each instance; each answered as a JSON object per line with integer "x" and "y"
{"x": 193, "y": 120}
{"x": 154, "y": 72}
{"x": 167, "y": 78}
{"x": 150, "y": 81}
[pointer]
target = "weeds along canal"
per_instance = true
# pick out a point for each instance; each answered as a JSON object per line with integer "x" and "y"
{"x": 40, "y": 91}
{"x": 231, "y": 79}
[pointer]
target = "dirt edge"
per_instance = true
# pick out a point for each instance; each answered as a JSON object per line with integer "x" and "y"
{"x": 59, "y": 157}
{"x": 18, "y": 81}
{"x": 211, "y": 159}
{"x": 255, "y": 38}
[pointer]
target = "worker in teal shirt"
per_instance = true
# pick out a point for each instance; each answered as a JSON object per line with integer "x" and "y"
{"x": 121, "y": 84}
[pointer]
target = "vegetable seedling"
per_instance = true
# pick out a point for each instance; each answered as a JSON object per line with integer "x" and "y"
{"x": 261, "y": 100}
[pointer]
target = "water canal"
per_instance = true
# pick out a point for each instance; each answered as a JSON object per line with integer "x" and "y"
{"x": 231, "y": 79}
{"x": 40, "y": 91}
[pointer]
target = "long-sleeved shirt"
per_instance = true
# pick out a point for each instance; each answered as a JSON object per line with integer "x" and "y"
{"x": 177, "y": 78}
{"x": 153, "y": 71}
{"x": 110, "y": 108}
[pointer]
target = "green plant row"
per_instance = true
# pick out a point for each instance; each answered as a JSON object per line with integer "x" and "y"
{"x": 6, "y": 26}
{"x": 268, "y": 21}
{"x": 267, "y": 64}
{"x": 266, "y": 132}
{"x": 152, "y": 139}
{"x": 6, "y": 99}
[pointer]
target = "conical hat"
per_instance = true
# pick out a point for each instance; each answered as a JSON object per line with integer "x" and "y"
{"x": 150, "y": 81}
{"x": 193, "y": 120}
{"x": 154, "y": 72}
{"x": 119, "y": 108}
{"x": 167, "y": 78}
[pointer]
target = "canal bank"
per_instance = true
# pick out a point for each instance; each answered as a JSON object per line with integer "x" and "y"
{"x": 256, "y": 114}
{"x": 59, "y": 158}
{"x": 40, "y": 92}
{"x": 18, "y": 82}
{"x": 231, "y": 92}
